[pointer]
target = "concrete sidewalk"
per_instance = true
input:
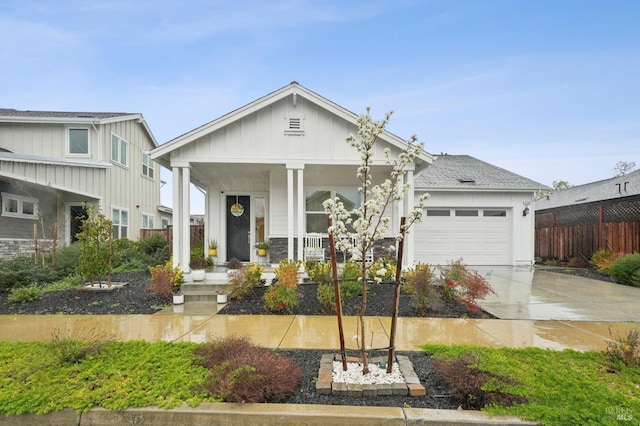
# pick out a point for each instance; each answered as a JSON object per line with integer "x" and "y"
{"x": 319, "y": 332}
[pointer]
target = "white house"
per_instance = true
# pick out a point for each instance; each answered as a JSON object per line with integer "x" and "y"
{"x": 52, "y": 163}
{"x": 267, "y": 166}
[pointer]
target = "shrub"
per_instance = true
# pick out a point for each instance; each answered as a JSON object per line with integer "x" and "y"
{"x": 468, "y": 383}
{"x": 70, "y": 281}
{"x": 419, "y": 284}
{"x": 166, "y": 280}
{"x": 72, "y": 347}
{"x": 623, "y": 268}
{"x": 467, "y": 286}
{"x": 253, "y": 274}
{"x": 327, "y": 298}
{"x": 319, "y": 272}
{"x": 578, "y": 262}
{"x": 22, "y": 272}
{"x": 240, "y": 287}
{"x": 242, "y": 372}
{"x": 281, "y": 298}
{"x": 551, "y": 262}
{"x": 625, "y": 350}
{"x": 287, "y": 273}
{"x": 30, "y": 293}
{"x": 351, "y": 271}
{"x": 67, "y": 260}
{"x": 602, "y": 259}
{"x": 197, "y": 250}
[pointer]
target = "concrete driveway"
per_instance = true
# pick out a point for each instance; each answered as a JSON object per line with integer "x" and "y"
{"x": 538, "y": 294}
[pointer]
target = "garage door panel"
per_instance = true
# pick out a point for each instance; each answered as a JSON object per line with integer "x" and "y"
{"x": 478, "y": 240}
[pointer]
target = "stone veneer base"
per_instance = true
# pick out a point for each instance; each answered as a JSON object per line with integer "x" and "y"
{"x": 410, "y": 386}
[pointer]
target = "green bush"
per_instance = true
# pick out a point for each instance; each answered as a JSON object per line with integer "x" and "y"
{"x": 622, "y": 270}
{"x": 67, "y": 259}
{"x": 197, "y": 250}
{"x": 327, "y": 297}
{"x": 420, "y": 285}
{"x": 22, "y": 272}
{"x": 351, "y": 271}
{"x": 625, "y": 350}
{"x": 319, "y": 272}
{"x": 30, "y": 293}
{"x": 281, "y": 298}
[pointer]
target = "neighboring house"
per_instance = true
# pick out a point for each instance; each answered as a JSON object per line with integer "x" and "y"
{"x": 53, "y": 163}
{"x": 575, "y": 222}
{"x": 267, "y": 167}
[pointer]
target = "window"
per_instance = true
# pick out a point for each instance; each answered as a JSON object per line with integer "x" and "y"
{"x": 436, "y": 213}
{"x": 494, "y": 213}
{"x": 148, "y": 166}
{"x": 147, "y": 221}
{"x": 78, "y": 141}
{"x": 119, "y": 150}
{"x": 19, "y": 206}
{"x": 120, "y": 219}
{"x": 165, "y": 223}
{"x": 466, "y": 213}
{"x": 316, "y": 217}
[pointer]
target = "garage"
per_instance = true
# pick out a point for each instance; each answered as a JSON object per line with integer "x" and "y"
{"x": 480, "y": 236}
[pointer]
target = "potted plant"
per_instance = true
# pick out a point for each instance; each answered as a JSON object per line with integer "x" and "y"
{"x": 198, "y": 267}
{"x": 221, "y": 296}
{"x": 177, "y": 279}
{"x": 213, "y": 248}
{"x": 262, "y": 247}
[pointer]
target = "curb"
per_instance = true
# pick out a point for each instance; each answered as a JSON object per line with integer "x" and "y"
{"x": 230, "y": 414}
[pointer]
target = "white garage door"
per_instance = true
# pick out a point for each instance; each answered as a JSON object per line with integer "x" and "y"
{"x": 478, "y": 236}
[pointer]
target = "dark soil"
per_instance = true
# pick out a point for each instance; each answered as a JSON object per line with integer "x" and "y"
{"x": 582, "y": 272}
{"x": 379, "y": 302}
{"x": 134, "y": 298}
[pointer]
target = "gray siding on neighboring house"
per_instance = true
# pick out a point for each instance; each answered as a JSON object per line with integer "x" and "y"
{"x": 12, "y": 228}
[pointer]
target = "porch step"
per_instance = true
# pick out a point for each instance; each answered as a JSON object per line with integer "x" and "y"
{"x": 203, "y": 291}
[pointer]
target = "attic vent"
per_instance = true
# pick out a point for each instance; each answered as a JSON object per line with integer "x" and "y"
{"x": 294, "y": 126}
{"x": 466, "y": 180}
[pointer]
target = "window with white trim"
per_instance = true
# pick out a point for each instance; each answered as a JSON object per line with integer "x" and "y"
{"x": 119, "y": 148}
{"x": 165, "y": 223}
{"x": 78, "y": 139}
{"x": 315, "y": 215}
{"x": 147, "y": 221}
{"x": 19, "y": 206}
{"x": 120, "y": 219}
{"x": 148, "y": 166}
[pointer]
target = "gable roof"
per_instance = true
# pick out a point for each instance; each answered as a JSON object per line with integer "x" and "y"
{"x": 607, "y": 189}
{"x": 463, "y": 172}
{"x": 294, "y": 89}
{"x": 10, "y": 115}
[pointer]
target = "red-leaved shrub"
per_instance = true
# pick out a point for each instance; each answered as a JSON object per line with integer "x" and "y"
{"x": 242, "y": 372}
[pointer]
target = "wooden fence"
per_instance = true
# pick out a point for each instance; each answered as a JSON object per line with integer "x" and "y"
{"x": 197, "y": 234}
{"x": 578, "y": 231}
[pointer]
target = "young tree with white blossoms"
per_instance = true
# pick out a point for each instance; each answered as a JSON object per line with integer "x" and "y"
{"x": 370, "y": 223}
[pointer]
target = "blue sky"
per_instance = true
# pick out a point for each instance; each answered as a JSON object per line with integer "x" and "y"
{"x": 546, "y": 89}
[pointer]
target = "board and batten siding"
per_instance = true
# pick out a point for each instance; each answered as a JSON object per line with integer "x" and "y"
{"x": 261, "y": 137}
{"x": 126, "y": 187}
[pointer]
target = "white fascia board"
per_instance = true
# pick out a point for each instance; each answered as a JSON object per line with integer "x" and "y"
{"x": 17, "y": 158}
{"x": 218, "y": 123}
{"x": 54, "y": 120}
{"x": 50, "y": 185}
{"x": 476, "y": 189}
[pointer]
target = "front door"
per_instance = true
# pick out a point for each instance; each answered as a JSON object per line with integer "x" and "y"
{"x": 238, "y": 227}
{"x": 77, "y": 215}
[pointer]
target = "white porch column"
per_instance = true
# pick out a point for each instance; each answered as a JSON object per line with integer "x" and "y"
{"x": 410, "y": 205}
{"x": 301, "y": 199}
{"x": 176, "y": 249}
{"x": 289, "y": 212}
{"x": 186, "y": 218}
